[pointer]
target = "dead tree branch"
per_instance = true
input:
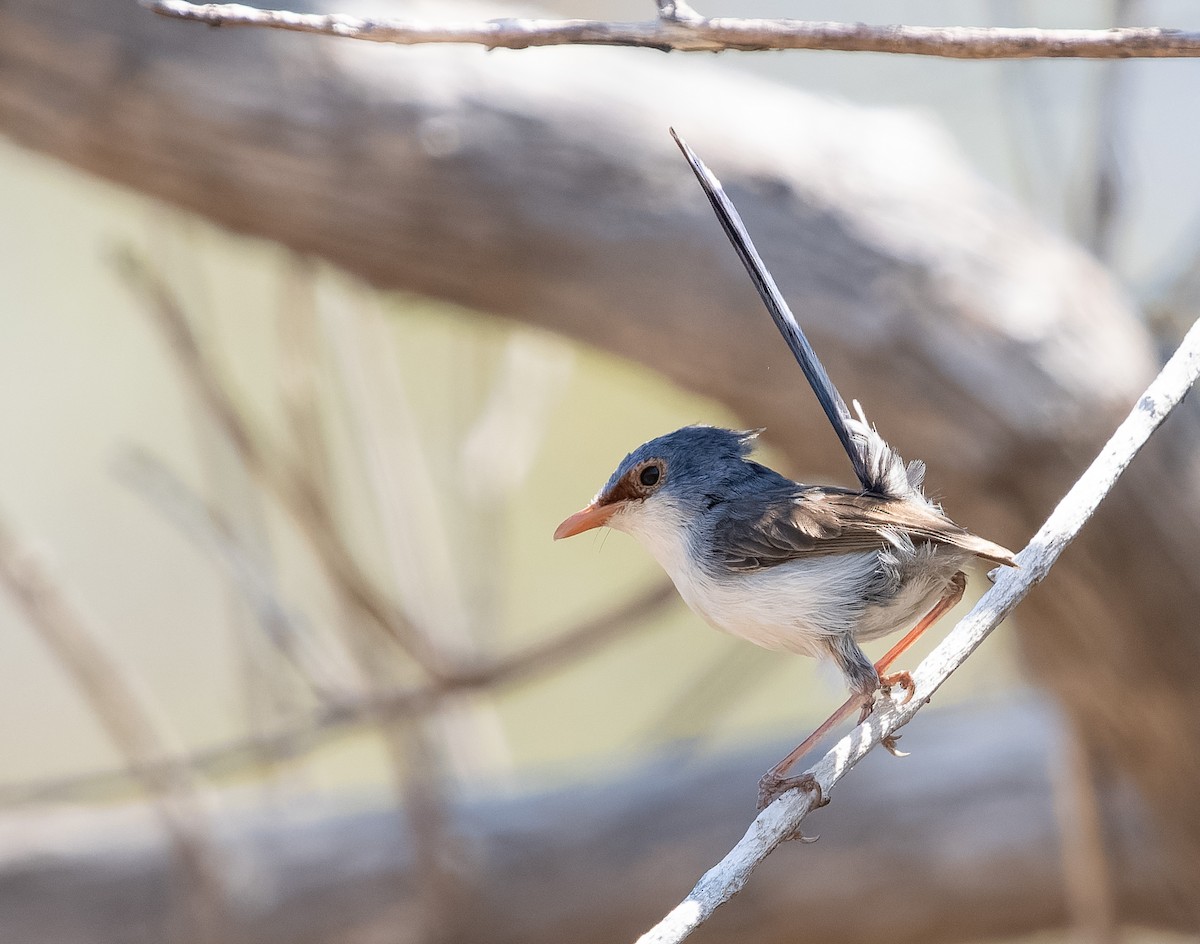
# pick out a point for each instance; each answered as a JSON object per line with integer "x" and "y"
{"x": 679, "y": 29}
{"x": 781, "y": 820}
{"x": 325, "y": 669}
{"x": 1087, "y": 858}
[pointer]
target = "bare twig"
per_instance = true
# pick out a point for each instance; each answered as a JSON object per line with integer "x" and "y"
{"x": 301, "y": 479}
{"x": 680, "y": 29}
{"x": 781, "y": 820}
{"x": 338, "y": 715}
{"x": 416, "y": 757}
{"x": 128, "y": 715}
{"x": 424, "y": 562}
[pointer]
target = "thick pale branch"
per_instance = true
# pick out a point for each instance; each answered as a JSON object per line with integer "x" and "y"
{"x": 679, "y": 29}
{"x": 781, "y": 820}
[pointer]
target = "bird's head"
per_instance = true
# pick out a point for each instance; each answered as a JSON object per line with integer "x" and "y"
{"x": 666, "y": 482}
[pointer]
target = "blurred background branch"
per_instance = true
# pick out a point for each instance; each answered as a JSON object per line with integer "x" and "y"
{"x": 294, "y": 483}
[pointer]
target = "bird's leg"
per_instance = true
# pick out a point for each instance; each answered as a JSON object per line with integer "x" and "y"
{"x": 904, "y": 679}
{"x": 773, "y": 782}
{"x": 949, "y": 600}
{"x": 864, "y": 680}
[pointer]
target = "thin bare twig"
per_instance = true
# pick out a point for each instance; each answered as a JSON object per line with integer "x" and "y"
{"x": 341, "y": 714}
{"x": 396, "y": 475}
{"x": 416, "y": 758}
{"x": 680, "y": 29}
{"x": 781, "y": 820}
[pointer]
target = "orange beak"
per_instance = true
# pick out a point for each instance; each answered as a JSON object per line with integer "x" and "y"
{"x": 593, "y": 516}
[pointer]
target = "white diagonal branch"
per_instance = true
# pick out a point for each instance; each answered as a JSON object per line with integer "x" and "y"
{"x": 783, "y": 817}
{"x": 680, "y": 29}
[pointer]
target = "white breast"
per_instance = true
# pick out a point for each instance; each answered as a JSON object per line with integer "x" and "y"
{"x": 788, "y": 607}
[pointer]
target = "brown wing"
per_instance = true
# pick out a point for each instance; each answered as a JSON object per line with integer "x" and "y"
{"x": 753, "y": 533}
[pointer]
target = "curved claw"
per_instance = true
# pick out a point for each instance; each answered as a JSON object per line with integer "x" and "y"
{"x": 902, "y": 679}
{"x": 889, "y": 744}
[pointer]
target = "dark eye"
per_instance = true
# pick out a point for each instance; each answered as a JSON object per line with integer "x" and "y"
{"x": 650, "y": 475}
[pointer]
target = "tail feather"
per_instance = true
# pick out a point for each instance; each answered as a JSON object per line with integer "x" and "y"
{"x": 827, "y": 395}
{"x": 884, "y": 470}
{"x": 988, "y": 550}
{"x": 878, "y": 466}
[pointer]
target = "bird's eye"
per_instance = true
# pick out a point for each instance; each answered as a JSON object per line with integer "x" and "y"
{"x": 650, "y": 475}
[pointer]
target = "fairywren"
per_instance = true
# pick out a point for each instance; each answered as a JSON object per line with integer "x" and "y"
{"x": 813, "y": 569}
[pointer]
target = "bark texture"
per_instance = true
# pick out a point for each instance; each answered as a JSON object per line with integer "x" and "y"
{"x": 542, "y": 186}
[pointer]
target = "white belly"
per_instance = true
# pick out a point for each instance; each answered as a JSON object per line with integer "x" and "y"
{"x": 796, "y": 605}
{"x": 791, "y": 606}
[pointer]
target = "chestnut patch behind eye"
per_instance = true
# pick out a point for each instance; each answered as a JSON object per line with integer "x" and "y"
{"x": 637, "y": 483}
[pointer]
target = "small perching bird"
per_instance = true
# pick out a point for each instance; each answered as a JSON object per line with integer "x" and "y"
{"x": 813, "y": 569}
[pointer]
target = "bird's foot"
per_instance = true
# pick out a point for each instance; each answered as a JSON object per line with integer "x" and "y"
{"x": 889, "y": 744}
{"x": 902, "y": 679}
{"x": 773, "y": 785}
{"x": 868, "y": 706}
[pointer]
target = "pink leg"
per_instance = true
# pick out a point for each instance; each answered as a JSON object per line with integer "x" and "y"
{"x": 773, "y": 782}
{"x": 949, "y": 601}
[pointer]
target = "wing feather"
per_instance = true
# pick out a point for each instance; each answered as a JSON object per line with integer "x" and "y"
{"x": 763, "y": 531}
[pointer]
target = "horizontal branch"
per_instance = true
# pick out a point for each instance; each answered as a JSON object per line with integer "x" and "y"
{"x": 781, "y": 820}
{"x": 679, "y": 30}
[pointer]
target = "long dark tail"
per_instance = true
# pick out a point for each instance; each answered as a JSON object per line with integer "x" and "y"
{"x": 876, "y": 464}
{"x": 849, "y": 428}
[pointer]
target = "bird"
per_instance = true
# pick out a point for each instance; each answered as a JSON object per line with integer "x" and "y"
{"x": 810, "y": 569}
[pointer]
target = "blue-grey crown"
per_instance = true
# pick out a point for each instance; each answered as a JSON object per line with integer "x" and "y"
{"x": 693, "y": 454}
